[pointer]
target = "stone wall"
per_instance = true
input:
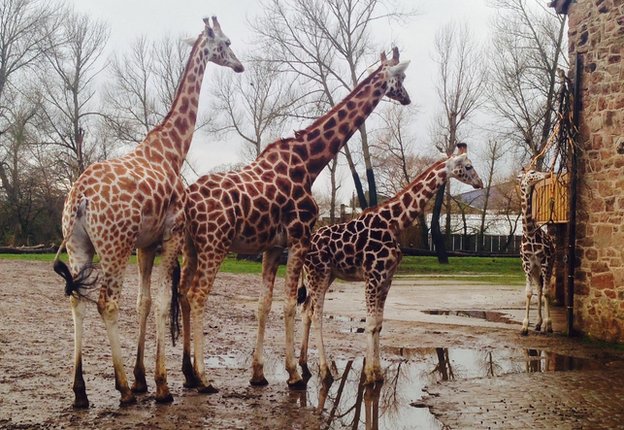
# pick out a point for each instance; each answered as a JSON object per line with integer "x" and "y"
{"x": 596, "y": 31}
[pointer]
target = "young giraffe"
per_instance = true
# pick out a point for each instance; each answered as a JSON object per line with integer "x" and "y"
{"x": 537, "y": 252}
{"x": 268, "y": 206}
{"x": 136, "y": 201}
{"x": 366, "y": 249}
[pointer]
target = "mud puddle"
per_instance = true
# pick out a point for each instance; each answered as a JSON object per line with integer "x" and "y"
{"x": 491, "y": 316}
{"x": 396, "y": 404}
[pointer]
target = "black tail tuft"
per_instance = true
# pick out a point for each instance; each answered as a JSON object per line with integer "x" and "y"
{"x": 301, "y": 295}
{"x": 175, "y": 305}
{"x": 75, "y": 284}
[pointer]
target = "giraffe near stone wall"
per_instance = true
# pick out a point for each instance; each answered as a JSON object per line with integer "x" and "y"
{"x": 266, "y": 207}
{"x": 537, "y": 251}
{"x": 136, "y": 201}
{"x": 367, "y": 249}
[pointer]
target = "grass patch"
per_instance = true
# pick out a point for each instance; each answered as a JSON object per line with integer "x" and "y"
{"x": 478, "y": 269}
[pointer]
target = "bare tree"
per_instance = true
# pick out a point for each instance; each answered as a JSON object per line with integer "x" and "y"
{"x": 396, "y": 163}
{"x": 460, "y": 90}
{"x": 529, "y": 46}
{"x": 493, "y": 154}
{"x": 24, "y": 27}
{"x": 321, "y": 43}
{"x": 68, "y": 89}
{"x": 144, "y": 84}
{"x": 254, "y": 106}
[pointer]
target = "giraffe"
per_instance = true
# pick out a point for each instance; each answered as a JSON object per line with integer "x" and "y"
{"x": 366, "y": 249}
{"x": 268, "y": 206}
{"x": 537, "y": 251}
{"x": 136, "y": 201}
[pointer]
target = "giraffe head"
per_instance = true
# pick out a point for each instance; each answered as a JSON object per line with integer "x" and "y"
{"x": 396, "y": 74}
{"x": 460, "y": 167}
{"x": 529, "y": 177}
{"x": 217, "y": 46}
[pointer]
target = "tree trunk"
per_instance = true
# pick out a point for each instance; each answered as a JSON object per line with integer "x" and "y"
{"x": 356, "y": 179}
{"x": 436, "y": 235}
{"x": 370, "y": 175}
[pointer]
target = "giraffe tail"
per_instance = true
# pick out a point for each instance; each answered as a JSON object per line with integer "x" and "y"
{"x": 75, "y": 284}
{"x": 174, "y": 323}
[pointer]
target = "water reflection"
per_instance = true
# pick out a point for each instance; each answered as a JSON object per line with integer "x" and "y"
{"x": 349, "y": 404}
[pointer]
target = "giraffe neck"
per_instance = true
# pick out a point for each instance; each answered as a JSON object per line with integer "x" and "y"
{"x": 402, "y": 210}
{"x": 170, "y": 140}
{"x": 319, "y": 143}
{"x": 528, "y": 224}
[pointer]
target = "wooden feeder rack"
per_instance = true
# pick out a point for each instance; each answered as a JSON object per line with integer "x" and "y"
{"x": 550, "y": 199}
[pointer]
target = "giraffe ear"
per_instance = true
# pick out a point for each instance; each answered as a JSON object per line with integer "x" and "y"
{"x": 399, "y": 68}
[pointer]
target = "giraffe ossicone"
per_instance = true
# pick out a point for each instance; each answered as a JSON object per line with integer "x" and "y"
{"x": 266, "y": 207}
{"x": 136, "y": 201}
{"x": 367, "y": 249}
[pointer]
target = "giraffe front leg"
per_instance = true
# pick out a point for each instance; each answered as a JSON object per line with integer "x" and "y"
{"x": 538, "y": 324}
{"x": 317, "y": 319}
{"x": 376, "y": 293}
{"x": 296, "y": 256}
{"x": 197, "y": 296}
{"x": 189, "y": 266}
{"x": 169, "y": 277}
{"x": 547, "y": 319}
{"x": 528, "y": 294}
{"x": 145, "y": 259}
{"x": 78, "y": 312}
{"x": 373, "y": 365}
{"x": 306, "y": 318}
{"x": 270, "y": 263}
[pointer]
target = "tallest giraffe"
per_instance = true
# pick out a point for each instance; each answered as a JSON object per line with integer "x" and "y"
{"x": 136, "y": 201}
{"x": 267, "y": 207}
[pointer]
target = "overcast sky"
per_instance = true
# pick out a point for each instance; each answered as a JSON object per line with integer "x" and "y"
{"x": 129, "y": 19}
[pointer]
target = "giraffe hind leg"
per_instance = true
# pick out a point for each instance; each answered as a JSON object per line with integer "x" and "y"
{"x": 80, "y": 253}
{"x": 145, "y": 259}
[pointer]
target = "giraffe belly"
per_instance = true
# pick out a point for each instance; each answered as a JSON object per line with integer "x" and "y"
{"x": 249, "y": 246}
{"x": 356, "y": 274}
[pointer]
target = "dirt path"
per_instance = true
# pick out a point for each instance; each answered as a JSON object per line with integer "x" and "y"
{"x": 36, "y": 344}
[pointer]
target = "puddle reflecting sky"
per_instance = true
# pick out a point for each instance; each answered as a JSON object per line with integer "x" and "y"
{"x": 348, "y": 404}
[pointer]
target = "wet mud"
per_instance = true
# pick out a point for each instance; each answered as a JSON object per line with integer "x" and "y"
{"x": 429, "y": 358}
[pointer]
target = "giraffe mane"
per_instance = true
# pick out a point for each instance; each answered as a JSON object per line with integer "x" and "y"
{"x": 157, "y": 128}
{"x": 300, "y": 133}
{"x": 400, "y": 194}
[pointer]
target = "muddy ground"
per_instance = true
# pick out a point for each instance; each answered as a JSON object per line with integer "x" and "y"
{"x": 432, "y": 362}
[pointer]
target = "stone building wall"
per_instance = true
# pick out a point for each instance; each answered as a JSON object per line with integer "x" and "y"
{"x": 596, "y": 31}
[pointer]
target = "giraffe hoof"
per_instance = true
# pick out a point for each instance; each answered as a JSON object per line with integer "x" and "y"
{"x": 191, "y": 383}
{"x": 329, "y": 379}
{"x": 259, "y": 382}
{"x": 139, "y": 387}
{"x": 167, "y": 398}
{"x": 538, "y": 327}
{"x": 82, "y": 403}
{"x": 298, "y": 385}
{"x": 524, "y": 332}
{"x": 305, "y": 372}
{"x": 127, "y": 400}
{"x": 207, "y": 389}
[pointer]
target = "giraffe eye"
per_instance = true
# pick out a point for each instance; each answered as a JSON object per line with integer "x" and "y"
{"x": 228, "y": 43}
{"x": 468, "y": 167}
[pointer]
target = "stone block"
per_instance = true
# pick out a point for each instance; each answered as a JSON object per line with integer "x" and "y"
{"x": 602, "y": 281}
